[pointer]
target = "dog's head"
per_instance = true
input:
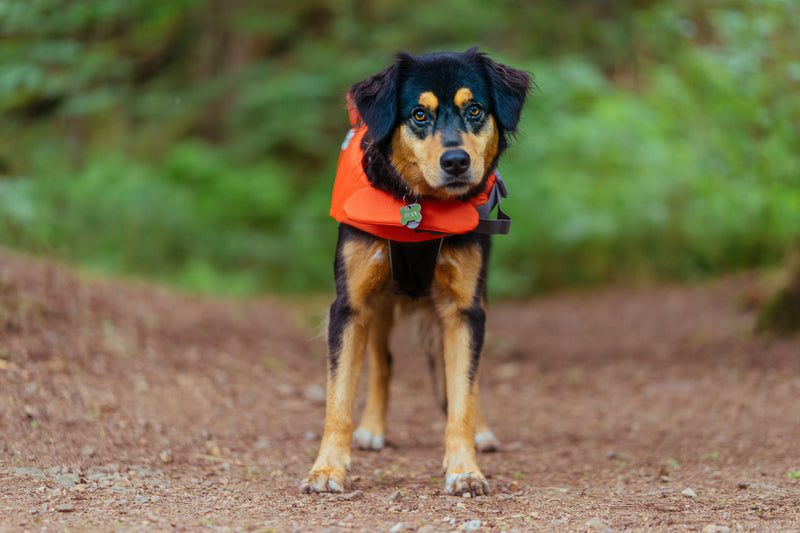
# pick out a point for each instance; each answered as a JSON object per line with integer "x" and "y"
{"x": 438, "y": 123}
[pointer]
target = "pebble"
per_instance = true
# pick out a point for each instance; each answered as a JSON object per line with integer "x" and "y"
{"x": 65, "y": 508}
{"x": 714, "y": 528}
{"x": 309, "y": 435}
{"x": 166, "y": 456}
{"x": 87, "y": 451}
{"x": 471, "y": 526}
{"x": 397, "y": 527}
{"x": 689, "y": 492}
{"x": 597, "y": 524}
{"x": 67, "y": 480}
{"x": 315, "y": 394}
{"x": 30, "y": 471}
{"x": 355, "y": 495}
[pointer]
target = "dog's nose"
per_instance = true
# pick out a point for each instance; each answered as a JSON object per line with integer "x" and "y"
{"x": 454, "y": 162}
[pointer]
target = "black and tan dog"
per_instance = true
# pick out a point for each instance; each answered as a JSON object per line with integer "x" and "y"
{"x": 437, "y": 125}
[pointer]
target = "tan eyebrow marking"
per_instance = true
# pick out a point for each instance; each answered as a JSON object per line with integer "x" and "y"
{"x": 463, "y": 95}
{"x": 429, "y": 100}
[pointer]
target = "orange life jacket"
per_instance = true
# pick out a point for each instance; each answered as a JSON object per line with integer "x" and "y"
{"x": 355, "y": 201}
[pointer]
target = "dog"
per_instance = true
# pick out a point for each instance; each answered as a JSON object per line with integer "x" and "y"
{"x": 433, "y": 128}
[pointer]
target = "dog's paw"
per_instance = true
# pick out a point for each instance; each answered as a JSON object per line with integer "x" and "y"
{"x": 366, "y": 440}
{"x": 324, "y": 480}
{"x": 472, "y": 483}
{"x": 486, "y": 442}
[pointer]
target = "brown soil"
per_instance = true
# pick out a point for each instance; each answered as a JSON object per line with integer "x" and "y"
{"x": 128, "y": 407}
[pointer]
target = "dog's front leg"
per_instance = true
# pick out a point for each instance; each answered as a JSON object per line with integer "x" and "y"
{"x": 458, "y": 299}
{"x": 346, "y": 338}
{"x": 361, "y": 273}
{"x": 460, "y": 462}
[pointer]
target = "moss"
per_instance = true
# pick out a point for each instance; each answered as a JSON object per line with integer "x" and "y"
{"x": 781, "y": 314}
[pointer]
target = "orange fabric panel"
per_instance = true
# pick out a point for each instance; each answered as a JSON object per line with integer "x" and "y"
{"x": 356, "y": 202}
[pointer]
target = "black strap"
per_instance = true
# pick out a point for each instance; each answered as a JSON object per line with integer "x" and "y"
{"x": 501, "y": 225}
{"x": 413, "y": 264}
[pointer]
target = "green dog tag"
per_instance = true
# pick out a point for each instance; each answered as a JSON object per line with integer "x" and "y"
{"x": 411, "y": 215}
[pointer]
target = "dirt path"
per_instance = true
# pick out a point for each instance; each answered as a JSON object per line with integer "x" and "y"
{"x": 126, "y": 407}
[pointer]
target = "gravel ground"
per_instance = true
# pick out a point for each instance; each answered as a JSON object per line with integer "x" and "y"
{"x": 127, "y": 407}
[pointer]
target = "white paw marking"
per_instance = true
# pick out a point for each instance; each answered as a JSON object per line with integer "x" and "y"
{"x": 367, "y": 441}
{"x": 485, "y": 441}
{"x": 466, "y": 483}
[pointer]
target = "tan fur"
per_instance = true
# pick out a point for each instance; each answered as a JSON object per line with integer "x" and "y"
{"x": 454, "y": 285}
{"x": 462, "y": 97}
{"x": 455, "y": 278}
{"x": 366, "y": 276}
{"x": 482, "y": 146}
{"x": 374, "y": 418}
{"x": 417, "y": 161}
{"x": 429, "y": 100}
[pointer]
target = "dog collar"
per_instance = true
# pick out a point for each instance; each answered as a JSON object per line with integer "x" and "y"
{"x": 355, "y": 201}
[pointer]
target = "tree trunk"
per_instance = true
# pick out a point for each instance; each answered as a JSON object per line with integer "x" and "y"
{"x": 781, "y": 313}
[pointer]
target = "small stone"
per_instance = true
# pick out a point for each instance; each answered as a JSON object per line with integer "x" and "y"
{"x": 743, "y": 485}
{"x": 36, "y": 473}
{"x": 714, "y": 528}
{"x": 166, "y": 456}
{"x": 612, "y": 455}
{"x": 65, "y": 508}
{"x": 355, "y": 495}
{"x": 67, "y": 480}
{"x": 596, "y": 524}
{"x": 689, "y": 492}
{"x": 262, "y": 443}
{"x": 466, "y": 495}
{"x": 395, "y": 496}
{"x": 284, "y": 389}
{"x": 315, "y": 394}
{"x": 397, "y": 527}
{"x": 309, "y": 435}
{"x": 141, "y": 498}
{"x": 87, "y": 451}
{"x": 471, "y": 526}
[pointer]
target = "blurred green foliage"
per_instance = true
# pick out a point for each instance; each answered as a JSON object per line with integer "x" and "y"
{"x": 196, "y": 141}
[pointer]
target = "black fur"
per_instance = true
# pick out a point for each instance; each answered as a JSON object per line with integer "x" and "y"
{"x": 382, "y": 101}
{"x": 385, "y": 98}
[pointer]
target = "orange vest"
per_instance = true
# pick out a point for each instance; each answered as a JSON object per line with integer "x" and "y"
{"x": 357, "y": 203}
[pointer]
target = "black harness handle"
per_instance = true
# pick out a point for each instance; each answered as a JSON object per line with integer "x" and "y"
{"x": 502, "y": 224}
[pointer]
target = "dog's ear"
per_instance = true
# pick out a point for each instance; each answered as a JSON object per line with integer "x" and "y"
{"x": 509, "y": 88}
{"x": 376, "y": 99}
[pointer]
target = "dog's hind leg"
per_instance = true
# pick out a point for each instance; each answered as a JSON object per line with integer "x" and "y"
{"x": 372, "y": 429}
{"x": 485, "y": 440}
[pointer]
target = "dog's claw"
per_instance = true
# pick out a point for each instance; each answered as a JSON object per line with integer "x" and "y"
{"x": 470, "y": 483}
{"x": 366, "y": 440}
{"x": 326, "y": 480}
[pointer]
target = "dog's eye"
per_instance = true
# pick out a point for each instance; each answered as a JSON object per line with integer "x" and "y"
{"x": 474, "y": 110}
{"x": 420, "y": 115}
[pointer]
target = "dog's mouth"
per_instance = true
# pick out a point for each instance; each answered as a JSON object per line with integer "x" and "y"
{"x": 458, "y": 184}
